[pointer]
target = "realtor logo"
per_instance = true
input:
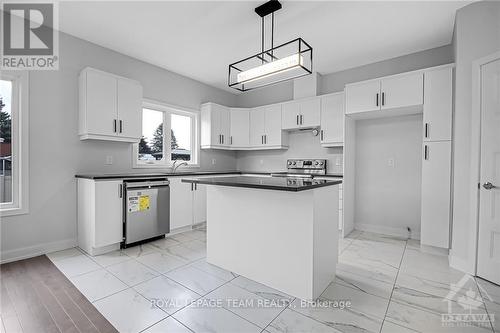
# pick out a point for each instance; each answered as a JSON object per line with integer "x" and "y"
{"x": 29, "y": 36}
{"x": 471, "y": 311}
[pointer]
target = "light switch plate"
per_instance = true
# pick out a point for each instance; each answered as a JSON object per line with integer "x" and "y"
{"x": 109, "y": 160}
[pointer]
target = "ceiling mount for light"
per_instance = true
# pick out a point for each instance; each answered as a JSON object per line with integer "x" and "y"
{"x": 276, "y": 64}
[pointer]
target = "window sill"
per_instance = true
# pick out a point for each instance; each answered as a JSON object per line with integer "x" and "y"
{"x": 4, "y": 212}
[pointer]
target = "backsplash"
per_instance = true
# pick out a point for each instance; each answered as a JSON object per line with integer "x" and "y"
{"x": 302, "y": 145}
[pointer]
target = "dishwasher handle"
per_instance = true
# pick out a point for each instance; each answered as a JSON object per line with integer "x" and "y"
{"x": 147, "y": 184}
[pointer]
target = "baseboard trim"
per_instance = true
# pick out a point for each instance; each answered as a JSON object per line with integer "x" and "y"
{"x": 460, "y": 264}
{"x": 36, "y": 250}
{"x": 390, "y": 231}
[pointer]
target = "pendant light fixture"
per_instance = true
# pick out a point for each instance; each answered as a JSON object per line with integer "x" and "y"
{"x": 276, "y": 64}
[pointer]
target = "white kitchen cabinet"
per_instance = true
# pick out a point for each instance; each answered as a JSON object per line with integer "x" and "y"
{"x": 240, "y": 128}
{"x": 110, "y": 107}
{"x": 402, "y": 91}
{"x": 362, "y": 97}
{"x": 100, "y": 215}
{"x": 436, "y": 194}
{"x": 332, "y": 120}
{"x": 301, "y": 114}
{"x": 265, "y": 128}
{"x": 181, "y": 203}
{"x": 215, "y": 126}
{"x": 438, "y": 107}
{"x": 390, "y": 93}
{"x": 199, "y": 203}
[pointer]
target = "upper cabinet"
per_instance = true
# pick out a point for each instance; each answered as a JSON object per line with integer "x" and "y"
{"x": 239, "y": 128}
{"x": 438, "y": 105}
{"x": 215, "y": 126}
{"x": 332, "y": 120}
{"x": 301, "y": 114}
{"x": 265, "y": 128}
{"x": 391, "y": 93}
{"x": 110, "y": 107}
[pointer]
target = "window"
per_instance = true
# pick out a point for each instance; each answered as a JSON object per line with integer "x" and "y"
{"x": 162, "y": 124}
{"x": 13, "y": 144}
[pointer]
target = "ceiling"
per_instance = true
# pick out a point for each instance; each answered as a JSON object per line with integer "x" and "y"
{"x": 199, "y": 39}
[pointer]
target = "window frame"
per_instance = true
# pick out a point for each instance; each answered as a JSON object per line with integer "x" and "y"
{"x": 168, "y": 110}
{"x": 20, "y": 145}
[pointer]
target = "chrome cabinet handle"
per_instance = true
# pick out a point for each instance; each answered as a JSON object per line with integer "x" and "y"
{"x": 297, "y": 119}
{"x": 114, "y": 125}
{"x": 426, "y": 134}
{"x": 301, "y": 119}
{"x": 265, "y": 139}
{"x": 120, "y": 191}
{"x": 383, "y": 98}
{"x": 321, "y": 135}
{"x": 121, "y": 126}
{"x": 376, "y": 100}
{"x": 231, "y": 139}
{"x": 222, "y": 138}
{"x": 426, "y": 152}
{"x": 489, "y": 186}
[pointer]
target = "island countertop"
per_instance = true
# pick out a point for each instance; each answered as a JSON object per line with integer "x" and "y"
{"x": 293, "y": 184}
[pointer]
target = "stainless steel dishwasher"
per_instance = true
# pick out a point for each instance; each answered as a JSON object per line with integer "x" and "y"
{"x": 146, "y": 210}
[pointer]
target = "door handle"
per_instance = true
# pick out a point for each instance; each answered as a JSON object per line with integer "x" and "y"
{"x": 426, "y": 152}
{"x": 321, "y": 135}
{"x": 383, "y": 98}
{"x": 426, "y": 134}
{"x": 376, "y": 100}
{"x": 114, "y": 125}
{"x": 121, "y": 126}
{"x": 489, "y": 186}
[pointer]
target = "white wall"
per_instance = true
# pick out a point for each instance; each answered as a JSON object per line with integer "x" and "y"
{"x": 56, "y": 153}
{"x": 387, "y": 199}
{"x": 477, "y": 34}
{"x": 302, "y": 145}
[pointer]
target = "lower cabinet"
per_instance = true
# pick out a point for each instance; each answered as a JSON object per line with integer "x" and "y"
{"x": 199, "y": 203}
{"x": 100, "y": 215}
{"x": 181, "y": 203}
{"x": 436, "y": 194}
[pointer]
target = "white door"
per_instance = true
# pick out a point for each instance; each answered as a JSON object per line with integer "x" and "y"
{"x": 240, "y": 128}
{"x": 129, "y": 109}
{"x": 291, "y": 114}
{"x": 181, "y": 203}
{"x": 363, "y": 97}
{"x": 272, "y": 125}
{"x": 435, "y": 196}
{"x": 101, "y": 104}
{"x": 488, "y": 264}
{"x": 225, "y": 124}
{"x": 257, "y": 120}
{"x": 332, "y": 119}
{"x": 438, "y": 105}
{"x": 401, "y": 91}
{"x": 310, "y": 112}
{"x": 215, "y": 124}
{"x": 108, "y": 212}
{"x": 199, "y": 203}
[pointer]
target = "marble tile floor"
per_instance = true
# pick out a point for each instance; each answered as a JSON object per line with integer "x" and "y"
{"x": 383, "y": 284}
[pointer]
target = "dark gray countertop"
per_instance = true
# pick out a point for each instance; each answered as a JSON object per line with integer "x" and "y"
{"x": 293, "y": 184}
{"x": 177, "y": 174}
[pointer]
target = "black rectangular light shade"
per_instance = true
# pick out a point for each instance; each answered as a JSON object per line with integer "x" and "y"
{"x": 284, "y": 62}
{"x": 268, "y": 8}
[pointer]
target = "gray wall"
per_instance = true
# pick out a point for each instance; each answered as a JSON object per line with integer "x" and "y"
{"x": 387, "y": 197}
{"x": 477, "y": 34}
{"x": 335, "y": 82}
{"x": 56, "y": 153}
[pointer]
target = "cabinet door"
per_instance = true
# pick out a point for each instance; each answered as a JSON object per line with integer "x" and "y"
{"x": 240, "y": 128}
{"x": 273, "y": 126}
{"x": 225, "y": 125}
{"x": 363, "y": 97}
{"x": 401, "y": 91}
{"x": 438, "y": 105}
{"x": 291, "y": 114}
{"x": 129, "y": 109}
{"x": 310, "y": 113}
{"x": 101, "y": 114}
{"x": 108, "y": 213}
{"x": 332, "y": 119}
{"x": 257, "y": 129}
{"x": 181, "y": 203}
{"x": 199, "y": 204}
{"x": 435, "y": 214}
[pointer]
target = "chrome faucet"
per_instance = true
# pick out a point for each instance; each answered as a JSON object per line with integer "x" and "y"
{"x": 176, "y": 166}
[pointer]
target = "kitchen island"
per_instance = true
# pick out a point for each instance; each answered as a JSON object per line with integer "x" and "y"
{"x": 281, "y": 232}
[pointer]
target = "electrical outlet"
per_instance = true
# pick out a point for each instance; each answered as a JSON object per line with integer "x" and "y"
{"x": 261, "y": 162}
{"x": 109, "y": 160}
{"x": 390, "y": 162}
{"x": 214, "y": 161}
